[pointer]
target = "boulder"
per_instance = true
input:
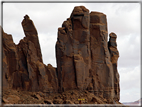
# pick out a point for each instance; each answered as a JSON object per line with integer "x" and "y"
{"x": 48, "y": 101}
{"x": 57, "y": 101}
{"x": 5, "y": 100}
{"x": 13, "y": 99}
{"x": 37, "y": 96}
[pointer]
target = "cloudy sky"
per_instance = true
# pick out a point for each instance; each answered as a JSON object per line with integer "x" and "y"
{"x": 122, "y": 18}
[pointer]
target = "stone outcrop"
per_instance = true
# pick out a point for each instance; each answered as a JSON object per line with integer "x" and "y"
{"x": 101, "y": 66}
{"x": 86, "y": 60}
{"x": 23, "y": 67}
{"x": 10, "y": 59}
{"x": 32, "y": 35}
{"x": 72, "y": 50}
{"x": 112, "y": 45}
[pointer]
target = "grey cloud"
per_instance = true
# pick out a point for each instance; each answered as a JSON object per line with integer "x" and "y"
{"x": 130, "y": 77}
{"x": 129, "y": 84}
{"x": 123, "y": 22}
{"x": 48, "y": 48}
{"x": 123, "y": 18}
{"x": 127, "y": 7}
{"x": 129, "y": 96}
{"x": 129, "y": 50}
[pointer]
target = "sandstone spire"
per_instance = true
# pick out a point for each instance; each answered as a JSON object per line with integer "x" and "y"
{"x": 22, "y": 64}
{"x": 72, "y": 50}
{"x": 112, "y": 45}
{"x": 86, "y": 60}
{"x": 31, "y": 34}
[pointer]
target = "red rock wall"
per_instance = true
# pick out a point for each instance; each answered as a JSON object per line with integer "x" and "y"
{"x": 101, "y": 65}
{"x": 23, "y": 67}
{"x": 114, "y": 57}
{"x": 84, "y": 60}
{"x": 10, "y": 59}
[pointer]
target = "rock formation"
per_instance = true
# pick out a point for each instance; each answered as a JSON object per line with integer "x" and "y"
{"x": 114, "y": 57}
{"x": 22, "y": 64}
{"x": 10, "y": 59}
{"x": 72, "y": 51}
{"x": 86, "y": 61}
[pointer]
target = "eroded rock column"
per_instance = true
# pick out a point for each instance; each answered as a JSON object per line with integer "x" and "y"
{"x": 81, "y": 45}
{"x": 112, "y": 45}
{"x": 73, "y": 50}
{"x": 31, "y": 34}
{"x": 22, "y": 64}
{"x": 101, "y": 66}
{"x": 10, "y": 59}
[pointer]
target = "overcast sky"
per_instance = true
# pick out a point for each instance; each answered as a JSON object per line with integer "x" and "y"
{"x": 122, "y": 19}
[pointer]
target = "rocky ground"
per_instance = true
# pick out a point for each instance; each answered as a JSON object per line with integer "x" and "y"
{"x": 69, "y": 97}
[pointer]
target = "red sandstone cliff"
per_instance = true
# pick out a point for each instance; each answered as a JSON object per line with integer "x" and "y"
{"x": 85, "y": 59}
{"x": 22, "y": 64}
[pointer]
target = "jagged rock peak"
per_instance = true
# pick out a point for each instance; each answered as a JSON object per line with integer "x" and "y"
{"x": 22, "y": 64}
{"x": 80, "y": 9}
{"x": 31, "y": 34}
{"x": 26, "y": 17}
{"x": 84, "y": 59}
{"x": 112, "y": 34}
{"x": 28, "y": 26}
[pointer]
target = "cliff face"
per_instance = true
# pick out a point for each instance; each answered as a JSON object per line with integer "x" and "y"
{"x": 72, "y": 51}
{"x": 85, "y": 59}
